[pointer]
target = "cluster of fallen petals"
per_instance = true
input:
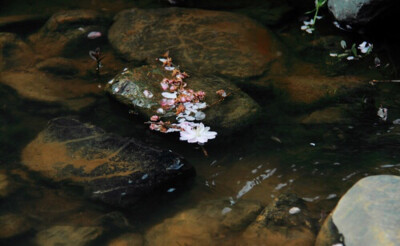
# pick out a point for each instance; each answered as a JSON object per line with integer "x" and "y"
{"x": 351, "y": 53}
{"x": 183, "y": 103}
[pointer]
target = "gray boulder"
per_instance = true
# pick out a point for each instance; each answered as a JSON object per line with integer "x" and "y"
{"x": 116, "y": 170}
{"x": 368, "y": 214}
{"x": 358, "y": 12}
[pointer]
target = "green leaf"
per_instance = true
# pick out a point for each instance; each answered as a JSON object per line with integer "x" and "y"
{"x": 309, "y": 12}
{"x": 354, "y": 50}
{"x": 320, "y": 3}
{"x": 343, "y": 44}
{"x": 369, "y": 50}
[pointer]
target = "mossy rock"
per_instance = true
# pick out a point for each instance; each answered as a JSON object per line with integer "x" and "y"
{"x": 236, "y": 111}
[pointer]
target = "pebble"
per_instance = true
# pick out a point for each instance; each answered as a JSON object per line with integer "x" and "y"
{"x": 94, "y": 35}
{"x": 294, "y": 210}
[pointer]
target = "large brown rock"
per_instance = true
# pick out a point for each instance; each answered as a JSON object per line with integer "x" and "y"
{"x": 113, "y": 169}
{"x": 209, "y": 42}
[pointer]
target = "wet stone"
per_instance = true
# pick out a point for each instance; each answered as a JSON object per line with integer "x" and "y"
{"x": 110, "y": 167}
{"x": 208, "y": 42}
{"x": 236, "y": 111}
{"x": 67, "y": 235}
{"x": 12, "y": 225}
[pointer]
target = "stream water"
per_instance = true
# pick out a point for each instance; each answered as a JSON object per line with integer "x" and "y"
{"x": 284, "y": 150}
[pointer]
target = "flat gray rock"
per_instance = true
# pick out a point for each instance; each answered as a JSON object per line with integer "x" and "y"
{"x": 368, "y": 214}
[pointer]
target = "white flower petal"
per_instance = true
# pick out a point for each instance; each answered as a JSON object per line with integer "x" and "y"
{"x": 168, "y": 68}
{"x": 201, "y": 105}
{"x": 200, "y": 115}
{"x": 147, "y": 94}
{"x": 169, "y": 95}
{"x": 197, "y": 133}
{"x": 160, "y": 111}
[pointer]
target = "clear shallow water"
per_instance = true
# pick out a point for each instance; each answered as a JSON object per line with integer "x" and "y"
{"x": 275, "y": 155}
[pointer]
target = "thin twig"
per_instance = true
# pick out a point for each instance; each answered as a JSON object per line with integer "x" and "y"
{"x": 221, "y": 99}
{"x": 204, "y": 150}
{"x": 372, "y": 82}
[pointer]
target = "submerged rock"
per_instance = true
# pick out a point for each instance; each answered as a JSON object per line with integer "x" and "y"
{"x": 128, "y": 239}
{"x": 368, "y": 214}
{"x": 236, "y": 111}
{"x": 330, "y": 115}
{"x": 110, "y": 167}
{"x": 286, "y": 221}
{"x": 6, "y": 187}
{"x": 305, "y": 84}
{"x": 358, "y": 12}
{"x": 67, "y": 235}
{"x": 12, "y": 50}
{"x": 37, "y": 85}
{"x": 208, "y": 42}
{"x": 66, "y": 33}
{"x": 7, "y": 22}
{"x": 12, "y": 225}
{"x": 210, "y": 223}
{"x": 58, "y": 66}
